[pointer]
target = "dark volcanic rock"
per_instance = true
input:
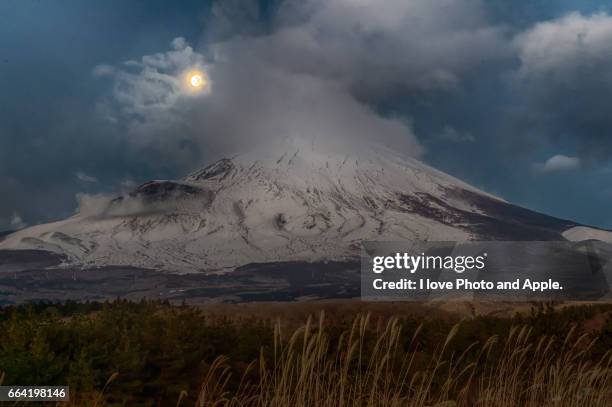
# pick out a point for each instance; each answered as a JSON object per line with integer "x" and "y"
{"x": 217, "y": 170}
{"x": 18, "y": 260}
{"x": 156, "y": 191}
{"x": 286, "y": 281}
{"x": 495, "y": 219}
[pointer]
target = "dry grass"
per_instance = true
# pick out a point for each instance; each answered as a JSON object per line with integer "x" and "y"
{"x": 375, "y": 363}
{"x": 371, "y": 367}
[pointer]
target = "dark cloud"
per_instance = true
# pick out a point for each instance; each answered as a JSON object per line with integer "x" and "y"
{"x": 450, "y": 134}
{"x": 376, "y": 47}
{"x": 564, "y": 82}
{"x": 319, "y": 73}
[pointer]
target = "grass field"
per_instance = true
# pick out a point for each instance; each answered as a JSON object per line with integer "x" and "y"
{"x": 336, "y": 353}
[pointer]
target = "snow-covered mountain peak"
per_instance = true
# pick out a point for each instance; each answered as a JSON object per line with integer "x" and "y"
{"x": 301, "y": 165}
{"x": 289, "y": 202}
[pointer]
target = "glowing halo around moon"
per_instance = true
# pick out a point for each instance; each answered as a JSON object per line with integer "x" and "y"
{"x": 196, "y": 81}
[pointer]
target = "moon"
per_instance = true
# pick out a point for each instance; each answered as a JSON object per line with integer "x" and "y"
{"x": 196, "y": 80}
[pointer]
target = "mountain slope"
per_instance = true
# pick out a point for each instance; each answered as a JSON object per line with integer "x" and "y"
{"x": 288, "y": 204}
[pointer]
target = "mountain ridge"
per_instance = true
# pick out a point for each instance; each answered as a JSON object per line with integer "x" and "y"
{"x": 297, "y": 204}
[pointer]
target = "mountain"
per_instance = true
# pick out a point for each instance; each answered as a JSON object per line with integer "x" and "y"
{"x": 289, "y": 203}
{"x": 5, "y": 233}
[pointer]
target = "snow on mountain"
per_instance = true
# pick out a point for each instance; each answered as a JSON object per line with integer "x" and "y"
{"x": 287, "y": 203}
{"x": 580, "y": 233}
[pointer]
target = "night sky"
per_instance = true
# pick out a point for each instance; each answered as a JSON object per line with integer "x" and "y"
{"x": 514, "y": 97}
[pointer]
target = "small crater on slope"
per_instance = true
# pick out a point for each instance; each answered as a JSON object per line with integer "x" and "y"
{"x": 280, "y": 221}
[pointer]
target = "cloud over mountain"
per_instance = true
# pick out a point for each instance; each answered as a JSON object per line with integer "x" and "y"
{"x": 318, "y": 73}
